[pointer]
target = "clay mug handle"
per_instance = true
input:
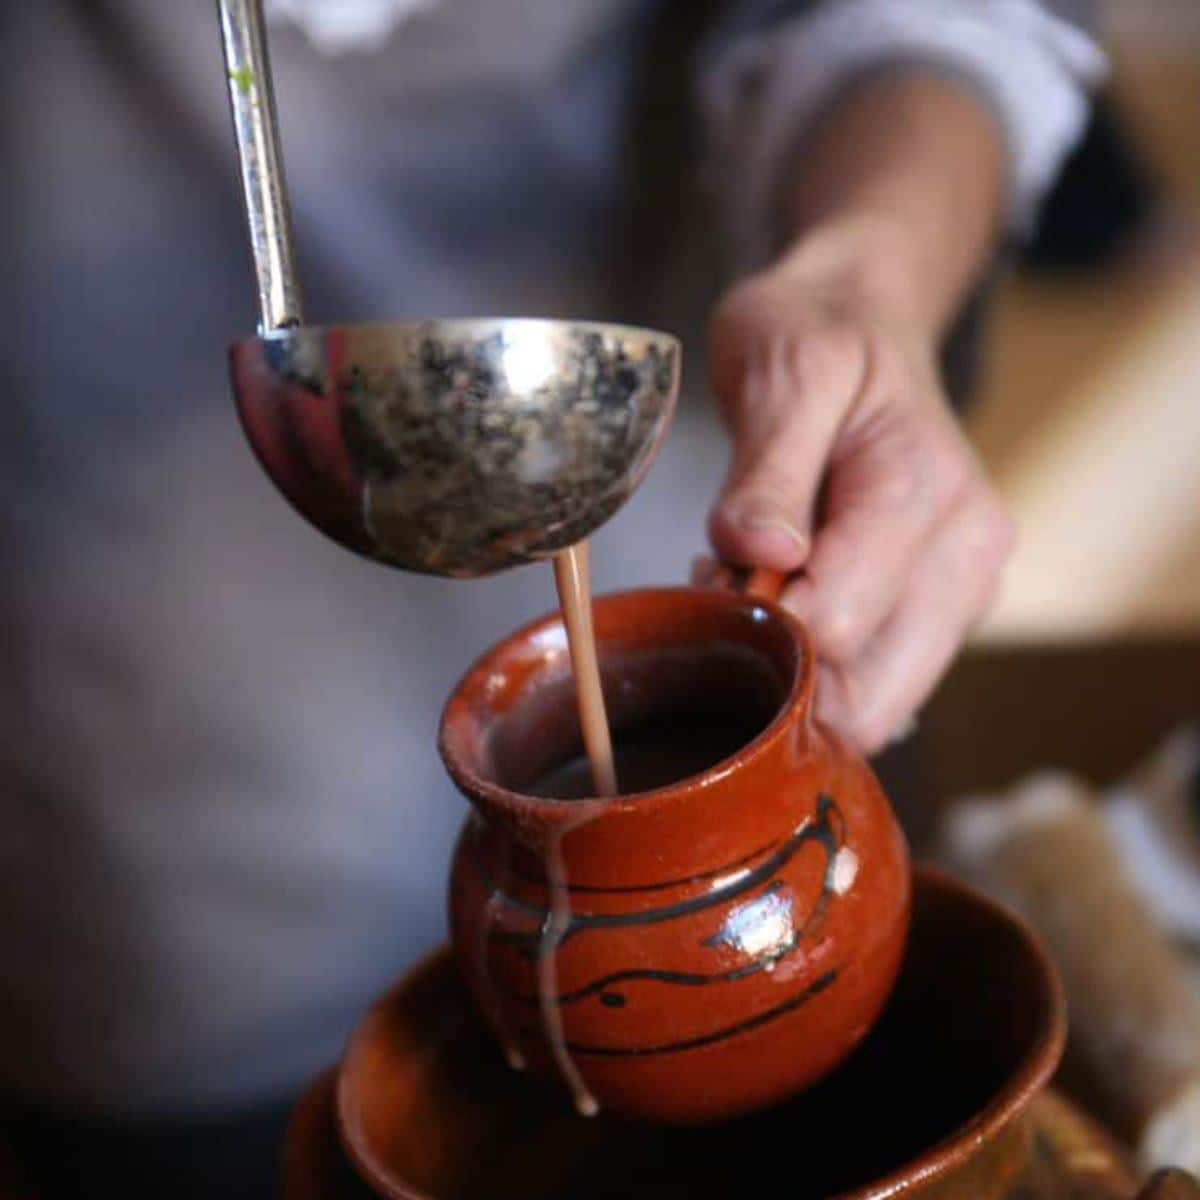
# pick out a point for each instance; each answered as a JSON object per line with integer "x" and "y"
{"x": 1171, "y": 1185}
{"x": 759, "y": 584}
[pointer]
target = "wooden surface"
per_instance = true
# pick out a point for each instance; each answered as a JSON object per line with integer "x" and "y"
{"x": 1096, "y": 708}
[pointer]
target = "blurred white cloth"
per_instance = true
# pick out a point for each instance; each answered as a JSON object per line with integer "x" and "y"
{"x": 338, "y": 26}
{"x": 1112, "y": 882}
{"x": 1155, "y": 819}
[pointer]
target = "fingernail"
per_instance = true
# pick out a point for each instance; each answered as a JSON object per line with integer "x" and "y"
{"x": 758, "y": 516}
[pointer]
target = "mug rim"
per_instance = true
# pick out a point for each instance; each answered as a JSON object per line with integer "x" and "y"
{"x": 795, "y": 705}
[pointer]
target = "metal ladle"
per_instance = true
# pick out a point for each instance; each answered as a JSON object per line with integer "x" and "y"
{"x": 450, "y": 447}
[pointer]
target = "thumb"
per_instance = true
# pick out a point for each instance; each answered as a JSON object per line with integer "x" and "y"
{"x": 783, "y": 434}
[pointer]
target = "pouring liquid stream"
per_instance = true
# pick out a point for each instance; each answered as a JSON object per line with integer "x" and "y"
{"x": 571, "y": 577}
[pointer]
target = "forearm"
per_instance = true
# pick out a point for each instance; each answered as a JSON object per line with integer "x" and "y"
{"x": 898, "y": 194}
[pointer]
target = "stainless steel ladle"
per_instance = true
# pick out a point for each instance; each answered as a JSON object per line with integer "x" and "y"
{"x": 450, "y": 447}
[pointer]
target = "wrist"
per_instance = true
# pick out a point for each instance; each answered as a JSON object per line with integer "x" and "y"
{"x": 899, "y": 195}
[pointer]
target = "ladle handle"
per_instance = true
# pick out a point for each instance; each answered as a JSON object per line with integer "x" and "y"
{"x": 264, "y": 188}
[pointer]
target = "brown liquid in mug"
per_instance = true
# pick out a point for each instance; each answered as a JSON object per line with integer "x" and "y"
{"x": 655, "y": 754}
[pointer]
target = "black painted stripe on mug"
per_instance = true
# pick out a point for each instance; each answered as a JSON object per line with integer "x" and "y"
{"x": 765, "y": 961}
{"x": 699, "y": 877}
{"x": 755, "y": 966}
{"x": 820, "y": 831}
{"x": 708, "y": 1039}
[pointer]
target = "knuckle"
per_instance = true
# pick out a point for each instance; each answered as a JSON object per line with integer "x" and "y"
{"x": 904, "y": 489}
{"x": 824, "y": 355}
{"x": 767, "y": 478}
{"x": 870, "y": 732}
{"x": 952, "y": 474}
{"x": 839, "y": 633}
{"x": 899, "y": 460}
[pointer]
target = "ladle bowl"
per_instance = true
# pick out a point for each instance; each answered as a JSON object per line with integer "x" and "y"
{"x": 457, "y": 447}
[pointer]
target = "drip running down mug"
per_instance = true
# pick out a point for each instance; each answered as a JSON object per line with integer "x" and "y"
{"x": 692, "y": 952}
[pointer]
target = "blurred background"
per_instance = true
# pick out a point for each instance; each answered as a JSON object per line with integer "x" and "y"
{"x": 1090, "y": 409}
{"x": 1088, "y": 417}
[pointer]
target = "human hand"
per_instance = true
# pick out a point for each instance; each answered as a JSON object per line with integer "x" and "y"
{"x": 850, "y": 473}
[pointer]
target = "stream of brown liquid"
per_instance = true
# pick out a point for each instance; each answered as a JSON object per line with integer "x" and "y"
{"x": 572, "y": 578}
{"x": 666, "y": 755}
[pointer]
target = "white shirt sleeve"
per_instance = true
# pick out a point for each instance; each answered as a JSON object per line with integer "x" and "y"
{"x": 1032, "y": 68}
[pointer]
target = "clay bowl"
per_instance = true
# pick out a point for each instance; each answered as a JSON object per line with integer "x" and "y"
{"x": 932, "y": 1103}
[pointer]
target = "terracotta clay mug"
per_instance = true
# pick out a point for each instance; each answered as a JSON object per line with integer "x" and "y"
{"x": 694, "y": 951}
